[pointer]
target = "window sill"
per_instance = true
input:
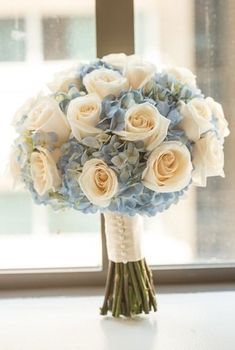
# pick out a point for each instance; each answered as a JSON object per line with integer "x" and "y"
{"x": 68, "y": 319}
{"x": 96, "y": 276}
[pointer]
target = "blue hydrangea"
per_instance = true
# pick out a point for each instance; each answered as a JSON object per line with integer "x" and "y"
{"x": 128, "y": 161}
{"x": 166, "y": 87}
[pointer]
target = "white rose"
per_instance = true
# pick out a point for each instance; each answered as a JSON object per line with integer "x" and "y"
{"x": 143, "y": 122}
{"x": 46, "y": 116}
{"x": 183, "y": 75}
{"x": 138, "y": 72}
{"x": 197, "y": 118}
{"x": 44, "y": 172}
{"x": 120, "y": 60}
{"x": 168, "y": 168}
{"x": 105, "y": 82}
{"x": 23, "y": 110}
{"x": 208, "y": 159}
{"x": 218, "y": 113}
{"x": 63, "y": 79}
{"x": 98, "y": 182}
{"x": 117, "y": 60}
{"x": 83, "y": 115}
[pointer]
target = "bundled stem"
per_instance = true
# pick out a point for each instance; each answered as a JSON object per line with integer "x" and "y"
{"x": 129, "y": 289}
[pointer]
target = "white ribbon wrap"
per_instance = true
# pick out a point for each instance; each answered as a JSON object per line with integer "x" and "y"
{"x": 123, "y": 236}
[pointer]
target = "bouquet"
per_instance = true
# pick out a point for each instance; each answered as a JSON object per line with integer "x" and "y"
{"x": 119, "y": 136}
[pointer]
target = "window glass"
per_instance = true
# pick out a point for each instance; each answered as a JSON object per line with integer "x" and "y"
{"x": 200, "y": 36}
{"x": 12, "y": 35}
{"x": 35, "y": 41}
{"x": 76, "y": 40}
{"x": 40, "y": 39}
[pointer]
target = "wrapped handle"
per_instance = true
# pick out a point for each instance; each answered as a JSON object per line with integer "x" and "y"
{"x": 123, "y": 236}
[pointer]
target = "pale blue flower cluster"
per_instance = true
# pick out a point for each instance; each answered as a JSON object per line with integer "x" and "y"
{"x": 126, "y": 158}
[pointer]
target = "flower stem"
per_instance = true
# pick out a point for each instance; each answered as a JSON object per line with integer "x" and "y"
{"x": 129, "y": 289}
{"x": 116, "y": 289}
{"x": 104, "y": 308}
{"x": 126, "y": 289}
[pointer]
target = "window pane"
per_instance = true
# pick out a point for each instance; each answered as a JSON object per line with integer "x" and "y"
{"x": 13, "y": 207}
{"x": 199, "y": 35}
{"x": 46, "y": 38}
{"x": 76, "y": 40}
{"x": 12, "y": 39}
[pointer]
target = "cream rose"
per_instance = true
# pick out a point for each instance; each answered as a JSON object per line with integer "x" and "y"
{"x": 138, "y": 72}
{"x": 208, "y": 159}
{"x": 197, "y": 118}
{"x": 83, "y": 116}
{"x": 63, "y": 79}
{"x": 46, "y": 116}
{"x": 44, "y": 172}
{"x": 143, "y": 122}
{"x": 183, "y": 75}
{"x": 168, "y": 168}
{"x": 117, "y": 60}
{"x": 98, "y": 182}
{"x": 23, "y": 110}
{"x": 105, "y": 82}
{"x": 218, "y": 114}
